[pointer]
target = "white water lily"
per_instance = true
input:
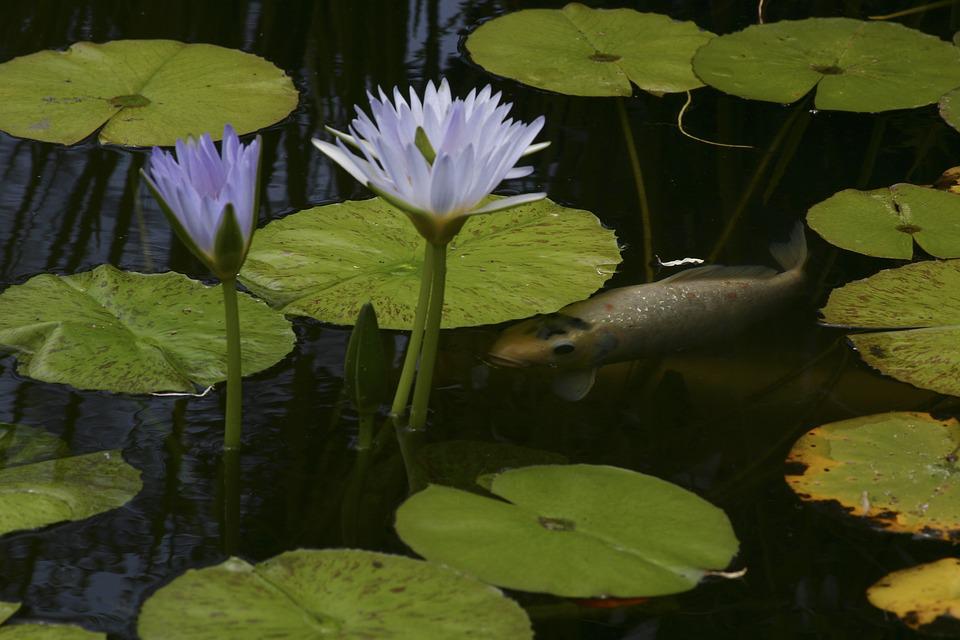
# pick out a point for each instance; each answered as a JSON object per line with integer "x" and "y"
{"x": 437, "y": 159}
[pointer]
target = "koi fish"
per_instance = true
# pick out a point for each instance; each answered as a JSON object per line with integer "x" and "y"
{"x": 690, "y": 308}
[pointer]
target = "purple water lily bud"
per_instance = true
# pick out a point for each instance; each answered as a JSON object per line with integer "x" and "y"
{"x": 437, "y": 158}
{"x": 210, "y": 198}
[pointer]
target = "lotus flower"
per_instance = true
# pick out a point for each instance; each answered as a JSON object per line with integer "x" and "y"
{"x": 438, "y": 158}
{"x": 210, "y": 199}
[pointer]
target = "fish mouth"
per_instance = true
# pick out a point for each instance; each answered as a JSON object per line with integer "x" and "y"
{"x": 504, "y": 361}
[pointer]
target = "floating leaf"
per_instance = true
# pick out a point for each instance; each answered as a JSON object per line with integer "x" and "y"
{"x": 7, "y": 609}
{"x": 338, "y": 593}
{"x": 590, "y": 52}
{"x": 132, "y": 332}
{"x": 925, "y": 597}
{"x": 20, "y": 445}
{"x": 854, "y": 65}
{"x": 915, "y": 311}
{"x": 949, "y": 110}
{"x": 142, "y": 92}
{"x": 458, "y": 463}
{"x": 885, "y": 222}
{"x": 327, "y": 261}
{"x": 48, "y": 632}
{"x": 896, "y": 470}
{"x": 572, "y": 530}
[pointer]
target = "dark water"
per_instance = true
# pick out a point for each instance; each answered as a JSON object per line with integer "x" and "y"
{"x": 718, "y": 421}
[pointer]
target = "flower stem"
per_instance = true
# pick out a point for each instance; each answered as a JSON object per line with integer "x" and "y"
{"x": 431, "y": 339}
{"x": 641, "y": 190}
{"x": 231, "y": 439}
{"x": 400, "y": 399}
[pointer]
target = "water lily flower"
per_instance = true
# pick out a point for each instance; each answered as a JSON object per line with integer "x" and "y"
{"x": 436, "y": 159}
{"x": 210, "y": 199}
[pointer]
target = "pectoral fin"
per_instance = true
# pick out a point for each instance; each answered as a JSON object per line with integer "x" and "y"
{"x": 574, "y": 385}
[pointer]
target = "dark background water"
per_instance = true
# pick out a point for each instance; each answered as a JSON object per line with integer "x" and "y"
{"x": 718, "y": 420}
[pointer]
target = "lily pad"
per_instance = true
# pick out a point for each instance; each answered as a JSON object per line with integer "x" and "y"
{"x": 581, "y": 51}
{"x": 914, "y": 312}
{"x": 41, "y": 631}
{"x": 886, "y": 222}
{"x": 141, "y": 92}
{"x": 925, "y": 597}
{"x": 579, "y": 531}
{"x": 7, "y": 609}
{"x": 326, "y": 262}
{"x": 950, "y": 108}
{"x": 898, "y": 471}
{"x": 132, "y": 332}
{"x": 20, "y": 445}
{"x": 458, "y": 463}
{"x": 852, "y": 64}
{"x": 339, "y": 593}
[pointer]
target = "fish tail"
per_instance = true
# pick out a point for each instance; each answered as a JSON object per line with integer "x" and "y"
{"x": 792, "y": 254}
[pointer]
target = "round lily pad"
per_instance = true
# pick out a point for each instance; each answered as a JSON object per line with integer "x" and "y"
{"x": 886, "y": 222}
{"x": 581, "y": 51}
{"x": 337, "y": 593}
{"x": 914, "y": 313}
{"x": 141, "y": 92}
{"x": 897, "y": 471}
{"x": 579, "y": 531}
{"x": 852, "y": 64}
{"x": 925, "y": 597}
{"x": 132, "y": 332}
{"x": 326, "y": 262}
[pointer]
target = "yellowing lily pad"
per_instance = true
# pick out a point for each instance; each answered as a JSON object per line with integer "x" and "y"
{"x": 886, "y": 222}
{"x": 141, "y": 92}
{"x": 579, "y": 531}
{"x": 925, "y": 597}
{"x": 898, "y": 471}
{"x": 914, "y": 315}
{"x": 326, "y": 262}
{"x": 336, "y": 593}
{"x": 581, "y": 51}
{"x": 852, "y": 64}
{"x": 132, "y": 332}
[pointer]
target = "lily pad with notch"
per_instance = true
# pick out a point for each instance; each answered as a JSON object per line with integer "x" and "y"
{"x": 926, "y": 597}
{"x": 40, "y": 631}
{"x": 581, "y": 531}
{"x": 459, "y": 463}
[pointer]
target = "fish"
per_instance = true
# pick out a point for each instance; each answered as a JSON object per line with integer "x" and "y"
{"x": 687, "y": 309}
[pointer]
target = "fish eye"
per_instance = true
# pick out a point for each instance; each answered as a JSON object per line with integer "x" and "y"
{"x": 563, "y": 348}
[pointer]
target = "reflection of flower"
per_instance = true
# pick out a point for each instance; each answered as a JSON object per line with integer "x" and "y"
{"x": 436, "y": 160}
{"x": 210, "y": 198}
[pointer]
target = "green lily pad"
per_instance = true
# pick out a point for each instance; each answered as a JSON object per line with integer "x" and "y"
{"x": 886, "y": 222}
{"x": 950, "y": 108}
{"x": 853, "y": 65}
{"x": 898, "y": 471}
{"x": 579, "y": 531}
{"x": 7, "y": 609}
{"x": 458, "y": 463}
{"x": 326, "y": 262}
{"x": 581, "y": 51}
{"x": 41, "y": 631}
{"x": 142, "y": 92}
{"x": 337, "y": 593}
{"x": 925, "y": 597}
{"x": 132, "y": 332}
{"x": 914, "y": 312}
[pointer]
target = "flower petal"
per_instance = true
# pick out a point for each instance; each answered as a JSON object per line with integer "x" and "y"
{"x": 508, "y": 203}
{"x": 341, "y": 157}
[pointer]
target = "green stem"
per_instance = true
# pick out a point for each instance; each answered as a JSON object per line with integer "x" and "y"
{"x": 416, "y": 338}
{"x": 231, "y": 439}
{"x": 641, "y": 190}
{"x": 231, "y": 501}
{"x": 431, "y": 340}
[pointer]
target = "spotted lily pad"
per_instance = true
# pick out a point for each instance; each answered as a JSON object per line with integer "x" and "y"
{"x": 925, "y": 597}
{"x": 326, "y": 262}
{"x": 914, "y": 313}
{"x": 581, "y": 51}
{"x": 132, "y": 332}
{"x": 898, "y": 471}
{"x": 852, "y": 64}
{"x": 337, "y": 593}
{"x": 572, "y": 530}
{"x": 141, "y": 92}
{"x": 886, "y": 222}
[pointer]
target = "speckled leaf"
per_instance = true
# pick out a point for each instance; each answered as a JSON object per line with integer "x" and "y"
{"x": 885, "y": 222}
{"x": 458, "y": 463}
{"x": 950, "y": 108}
{"x": 20, "y": 445}
{"x": 337, "y": 593}
{"x": 853, "y": 65}
{"x": 918, "y": 308}
{"x": 581, "y": 51}
{"x": 142, "y": 92}
{"x": 572, "y": 530}
{"x": 132, "y": 332}
{"x": 925, "y": 597}
{"x": 895, "y": 470}
{"x": 327, "y": 261}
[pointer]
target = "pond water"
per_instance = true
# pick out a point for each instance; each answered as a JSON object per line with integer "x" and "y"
{"x": 717, "y": 420}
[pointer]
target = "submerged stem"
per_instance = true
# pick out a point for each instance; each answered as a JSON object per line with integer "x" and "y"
{"x": 231, "y": 439}
{"x": 416, "y": 338}
{"x": 641, "y": 190}
{"x": 431, "y": 340}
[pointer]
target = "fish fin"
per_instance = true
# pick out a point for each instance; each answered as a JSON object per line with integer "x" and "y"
{"x": 791, "y": 254}
{"x": 574, "y": 385}
{"x": 720, "y": 272}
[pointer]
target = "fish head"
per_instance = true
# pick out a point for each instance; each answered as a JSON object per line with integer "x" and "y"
{"x": 551, "y": 340}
